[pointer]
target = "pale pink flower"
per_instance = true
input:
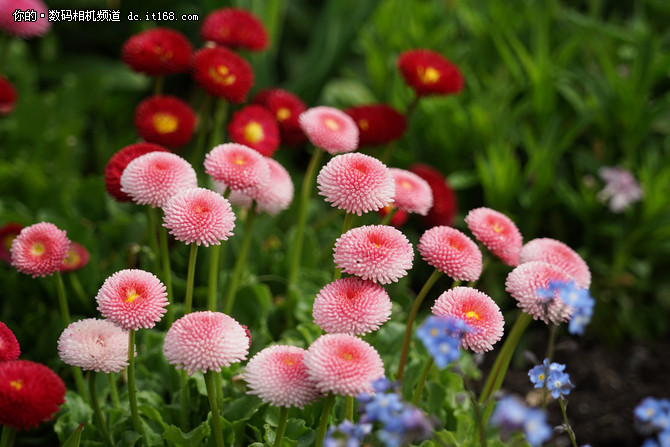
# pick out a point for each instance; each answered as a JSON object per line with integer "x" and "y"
{"x": 277, "y": 375}
{"x": 239, "y": 167}
{"x": 478, "y": 310}
{"x": 451, "y": 252}
{"x": 412, "y": 193}
{"x": 40, "y": 249}
{"x": 351, "y": 306}
{"x": 94, "y": 345}
{"x": 26, "y": 27}
{"x": 356, "y": 183}
{"x": 205, "y": 341}
{"x": 132, "y": 299}
{"x": 343, "y": 364}
{"x": 330, "y": 129}
{"x": 621, "y": 189}
{"x": 153, "y": 178}
{"x": 376, "y": 252}
{"x": 497, "y": 232}
{"x": 199, "y": 215}
{"x": 557, "y": 253}
{"x": 526, "y": 284}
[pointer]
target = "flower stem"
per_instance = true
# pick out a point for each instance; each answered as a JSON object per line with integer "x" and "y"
{"x": 412, "y": 316}
{"x": 241, "y": 260}
{"x": 158, "y": 85}
{"x": 113, "y": 392}
{"x": 214, "y": 255}
{"x": 153, "y": 241}
{"x": 203, "y": 123}
{"x": 571, "y": 433}
{"x": 283, "y": 417}
{"x": 551, "y": 342}
{"x": 99, "y": 418}
{"x": 220, "y": 112}
{"x": 79, "y": 290}
{"x": 8, "y": 436}
{"x": 216, "y": 421}
{"x": 167, "y": 273}
{"x": 325, "y": 415}
{"x": 349, "y": 414}
{"x": 188, "y": 302}
{"x": 185, "y": 400}
{"x": 132, "y": 391}
{"x": 422, "y": 381}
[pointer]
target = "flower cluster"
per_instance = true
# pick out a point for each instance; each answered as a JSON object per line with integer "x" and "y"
{"x": 442, "y": 338}
{"x": 347, "y": 434}
{"x": 652, "y": 418}
{"x": 512, "y": 415}
{"x": 551, "y": 376}
{"x": 577, "y": 298}
{"x": 621, "y": 189}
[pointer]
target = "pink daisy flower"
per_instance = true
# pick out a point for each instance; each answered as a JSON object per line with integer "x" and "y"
{"x": 76, "y": 259}
{"x": 132, "y": 299}
{"x": 478, "y": 310}
{"x": 497, "y": 232}
{"x": 526, "y": 282}
{"x": 330, "y": 129}
{"x": 205, "y": 341}
{"x": 237, "y": 166}
{"x": 375, "y": 252}
{"x": 343, "y": 364}
{"x": 40, "y": 249}
{"x": 557, "y": 253}
{"x": 277, "y": 375}
{"x": 94, "y": 345}
{"x": 24, "y": 28}
{"x": 351, "y": 306}
{"x": 451, "y": 252}
{"x": 356, "y": 183}
{"x": 199, "y": 215}
{"x": 153, "y": 178}
{"x": 412, "y": 193}
{"x": 9, "y": 345}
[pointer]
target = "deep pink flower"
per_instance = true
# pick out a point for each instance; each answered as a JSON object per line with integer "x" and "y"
{"x": 375, "y": 252}
{"x": 277, "y": 375}
{"x": 77, "y": 258}
{"x": 116, "y": 165}
{"x": 377, "y": 123}
{"x": 497, "y": 232}
{"x": 205, "y": 341}
{"x": 429, "y": 73}
{"x": 40, "y": 249}
{"x": 8, "y": 233}
{"x": 239, "y": 167}
{"x": 351, "y": 306}
{"x": 223, "y": 73}
{"x": 30, "y": 393}
{"x": 557, "y": 253}
{"x": 478, "y": 310}
{"x": 330, "y": 129}
{"x": 286, "y": 108}
{"x": 235, "y": 28}
{"x": 7, "y": 96}
{"x": 94, "y": 345}
{"x": 343, "y": 364}
{"x": 452, "y": 253}
{"x": 165, "y": 120}
{"x": 24, "y": 28}
{"x": 157, "y": 52}
{"x": 132, "y": 299}
{"x": 153, "y": 178}
{"x": 9, "y": 345}
{"x": 526, "y": 282}
{"x": 356, "y": 183}
{"x": 255, "y": 127}
{"x": 412, "y": 193}
{"x": 199, "y": 215}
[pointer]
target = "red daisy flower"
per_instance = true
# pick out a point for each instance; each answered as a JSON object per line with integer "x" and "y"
{"x": 158, "y": 51}
{"x": 77, "y": 258}
{"x": 30, "y": 393}
{"x": 9, "y": 345}
{"x": 286, "y": 108}
{"x": 429, "y": 73}
{"x": 118, "y": 163}
{"x": 377, "y": 123}
{"x": 165, "y": 120}
{"x": 223, "y": 73}
{"x": 235, "y": 28}
{"x": 8, "y": 232}
{"x": 445, "y": 204}
{"x": 7, "y": 96}
{"x": 254, "y": 126}
{"x": 451, "y": 252}
{"x": 497, "y": 232}
{"x": 24, "y": 28}
{"x": 39, "y": 250}
{"x": 557, "y": 253}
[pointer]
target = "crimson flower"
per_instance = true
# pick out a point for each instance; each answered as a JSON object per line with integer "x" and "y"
{"x": 157, "y": 52}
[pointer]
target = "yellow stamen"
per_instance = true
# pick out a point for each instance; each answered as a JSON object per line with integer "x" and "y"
{"x": 165, "y": 123}
{"x": 16, "y": 384}
{"x": 331, "y": 124}
{"x": 347, "y": 356}
{"x": 363, "y": 124}
{"x": 132, "y": 296}
{"x": 428, "y": 75}
{"x": 472, "y": 314}
{"x": 222, "y": 75}
{"x": 37, "y": 249}
{"x": 162, "y": 54}
{"x": 253, "y": 132}
{"x": 289, "y": 361}
{"x": 434, "y": 332}
{"x": 405, "y": 184}
{"x": 283, "y": 114}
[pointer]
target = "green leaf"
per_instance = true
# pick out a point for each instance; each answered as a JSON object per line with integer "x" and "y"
{"x": 75, "y": 437}
{"x": 194, "y": 438}
{"x": 242, "y": 408}
{"x": 74, "y": 413}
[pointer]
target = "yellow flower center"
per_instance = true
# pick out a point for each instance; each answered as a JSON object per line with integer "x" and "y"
{"x": 331, "y": 124}
{"x": 283, "y": 114}
{"x": 16, "y": 384}
{"x": 162, "y": 54}
{"x": 472, "y": 314}
{"x": 428, "y": 75}
{"x": 72, "y": 258}
{"x": 289, "y": 361}
{"x": 239, "y": 160}
{"x": 348, "y": 356}
{"x": 7, "y": 241}
{"x": 540, "y": 377}
{"x": 131, "y": 296}
{"x": 165, "y": 123}
{"x": 405, "y": 184}
{"x": 253, "y": 132}
{"x": 434, "y": 332}
{"x": 363, "y": 124}
{"x": 37, "y": 249}
{"x": 497, "y": 227}
{"x": 222, "y": 75}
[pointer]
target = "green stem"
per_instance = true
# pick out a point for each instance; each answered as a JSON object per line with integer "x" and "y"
{"x": 113, "y": 392}
{"x": 571, "y": 433}
{"x": 552, "y": 341}
{"x": 349, "y": 411}
{"x": 218, "y": 381}
{"x": 220, "y": 112}
{"x": 325, "y": 415}
{"x": 153, "y": 241}
{"x": 132, "y": 391}
{"x": 203, "y": 123}
{"x": 167, "y": 274}
{"x": 185, "y": 400}
{"x": 422, "y": 381}
{"x": 214, "y": 255}
{"x": 188, "y": 302}
{"x": 8, "y": 436}
{"x": 283, "y": 417}
{"x": 79, "y": 290}
{"x": 412, "y": 316}
{"x": 216, "y": 421}
{"x": 159, "y": 81}
{"x": 241, "y": 260}
{"x": 389, "y": 215}
{"x": 99, "y": 418}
